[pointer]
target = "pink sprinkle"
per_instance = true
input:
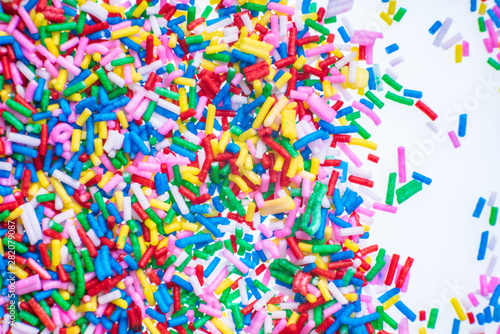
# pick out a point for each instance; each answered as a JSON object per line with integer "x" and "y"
{"x": 385, "y": 207}
{"x": 281, "y": 8}
{"x": 454, "y": 139}
{"x": 483, "y": 280}
{"x": 401, "y": 164}
{"x": 367, "y": 111}
{"x": 473, "y": 299}
{"x": 465, "y": 49}
{"x": 347, "y": 151}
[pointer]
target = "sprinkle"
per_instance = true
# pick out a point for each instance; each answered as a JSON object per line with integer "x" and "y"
{"x": 479, "y": 207}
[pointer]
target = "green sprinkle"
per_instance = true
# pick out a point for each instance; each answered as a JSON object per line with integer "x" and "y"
{"x": 13, "y": 120}
{"x": 375, "y": 100}
{"x": 29, "y": 318}
{"x": 61, "y": 27}
{"x": 362, "y": 132}
{"x": 117, "y": 92}
{"x": 186, "y": 144}
{"x": 255, "y": 7}
{"x": 60, "y": 300}
{"x": 219, "y": 57}
{"x": 55, "y": 226}
{"x": 4, "y": 215}
{"x": 289, "y": 147}
{"x": 408, "y": 190}
{"x": 75, "y": 88}
{"x": 149, "y": 111}
{"x": 493, "y": 215}
{"x": 80, "y": 24}
{"x": 391, "y": 82}
{"x": 352, "y": 116}
{"x": 123, "y": 61}
{"x": 432, "y": 318}
{"x": 494, "y": 63}
{"x": 332, "y": 19}
{"x": 389, "y": 197}
{"x": 5, "y": 18}
{"x": 316, "y": 26}
{"x": 318, "y": 315}
{"x": 45, "y": 198}
{"x": 206, "y": 12}
{"x": 326, "y": 249}
{"x": 104, "y": 80}
{"x": 480, "y": 22}
{"x": 19, "y": 247}
{"x": 399, "y": 14}
{"x": 44, "y": 104}
{"x": 167, "y": 93}
{"x": 196, "y": 39}
{"x": 191, "y": 14}
{"x": 399, "y": 99}
{"x": 388, "y": 320}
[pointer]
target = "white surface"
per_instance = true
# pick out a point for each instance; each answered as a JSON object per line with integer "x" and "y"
{"x": 436, "y": 226}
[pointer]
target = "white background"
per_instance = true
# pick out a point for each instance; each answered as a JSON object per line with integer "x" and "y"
{"x": 436, "y": 226}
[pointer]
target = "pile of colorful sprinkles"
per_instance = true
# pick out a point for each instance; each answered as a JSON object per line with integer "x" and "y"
{"x": 167, "y": 172}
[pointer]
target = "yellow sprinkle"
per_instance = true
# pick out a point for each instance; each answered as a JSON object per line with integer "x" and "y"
{"x": 125, "y": 32}
{"x": 140, "y": 9}
{"x": 51, "y": 46}
{"x": 363, "y": 142}
{"x": 351, "y": 245}
{"x": 122, "y": 237}
{"x": 254, "y": 51}
{"x": 147, "y": 321}
{"x": 17, "y": 271}
{"x": 322, "y": 285}
{"x": 392, "y": 7}
{"x": 226, "y": 283}
{"x": 219, "y": 324}
{"x": 295, "y": 316}
{"x": 56, "y": 252}
{"x": 14, "y": 214}
{"x": 61, "y": 80}
{"x": 391, "y": 302}
{"x": 263, "y": 112}
{"x": 283, "y": 80}
{"x": 305, "y": 247}
{"x": 458, "y": 309}
{"x": 250, "y": 211}
{"x": 275, "y": 111}
{"x": 387, "y": 19}
{"x": 482, "y": 9}
{"x": 352, "y": 297}
{"x": 83, "y": 117}
{"x": 185, "y": 82}
{"x": 75, "y": 140}
{"x": 216, "y": 48}
{"x": 209, "y": 127}
{"x": 458, "y": 53}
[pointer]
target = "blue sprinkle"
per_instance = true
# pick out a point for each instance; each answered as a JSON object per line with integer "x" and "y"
{"x": 462, "y": 125}
{"x": 392, "y": 48}
{"x": 435, "y": 27}
{"x": 479, "y": 207}
{"x": 421, "y": 178}
{"x": 343, "y": 33}
{"x": 416, "y": 94}
{"x": 483, "y": 245}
